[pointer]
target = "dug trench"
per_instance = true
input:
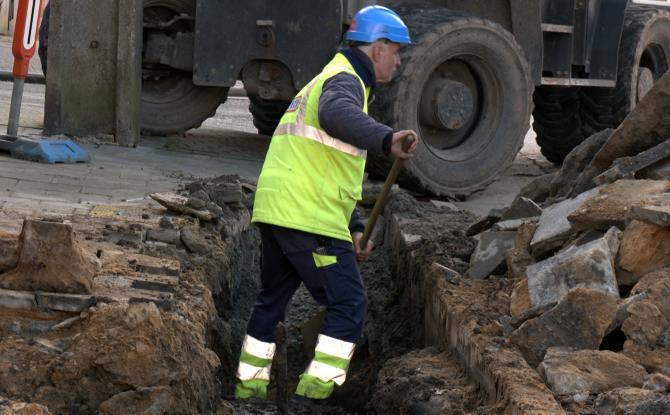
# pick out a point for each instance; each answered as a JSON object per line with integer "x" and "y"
{"x": 156, "y": 324}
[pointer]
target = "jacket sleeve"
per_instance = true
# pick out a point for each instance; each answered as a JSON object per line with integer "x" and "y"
{"x": 342, "y": 117}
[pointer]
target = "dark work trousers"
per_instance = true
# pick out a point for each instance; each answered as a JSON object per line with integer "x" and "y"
{"x": 287, "y": 260}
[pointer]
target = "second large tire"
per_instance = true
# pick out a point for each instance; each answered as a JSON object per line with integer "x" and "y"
{"x": 171, "y": 103}
{"x": 266, "y": 113}
{"x": 557, "y": 121}
{"x": 484, "y": 58}
{"x": 644, "y": 56}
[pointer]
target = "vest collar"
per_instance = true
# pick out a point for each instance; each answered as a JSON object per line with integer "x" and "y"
{"x": 362, "y": 65}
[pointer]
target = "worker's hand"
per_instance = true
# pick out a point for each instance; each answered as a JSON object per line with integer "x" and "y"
{"x": 398, "y": 144}
{"x": 362, "y": 254}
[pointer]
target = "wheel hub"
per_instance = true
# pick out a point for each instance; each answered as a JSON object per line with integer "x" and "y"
{"x": 447, "y": 104}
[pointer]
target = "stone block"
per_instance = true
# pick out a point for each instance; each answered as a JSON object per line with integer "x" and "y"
{"x": 579, "y": 321}
{"x": 71, "y": 303}
{"x": 484, "y": 223}
{"x": 588, "y": 266}
{"x": 51, "y": 260}
{"x": 622, "y": 310}
{"x": 521, "y": 207}
{"x": 645, "y": 247}
{"x": 194, "y": 242}
{"x": 655, "y": 361}
{"x": 553, "y": 228}
{"x": 645, "y": 127}
{"x": 627, "y": 167}
{"x": 153, "y": 265}
{"x": 517, "y": 261}
{"x": 490, "y": 253}
{"x": 519, "y": 300}
{"x": 538, "y": 189}
{"x": 569, "y": 372}
{"x": 513, "y": 224}
{"x": 611, "y": 205}
{"x": 9, "y": 253}
{"x": 645, "y": 323}
{"x": 658, "y": 215}
{"x": 21, "y": 300}
{"x": 632, "y": 401}
{"x": 656, "y": 287}
{"x": 169, "y": 236}
{"x": 575, "y": 162}
{"x": 178, "y": 203}
{"x": 524, "y": 235}
{"x": 657, "y": 171}
{"x": 657, "y": 382}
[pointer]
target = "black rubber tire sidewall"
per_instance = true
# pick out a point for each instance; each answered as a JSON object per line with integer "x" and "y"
{"x": 266, "y": 113}
{"x": 493, "y": 44}
{"x": 608, "y": 108}
{"x": 191, "y": 104}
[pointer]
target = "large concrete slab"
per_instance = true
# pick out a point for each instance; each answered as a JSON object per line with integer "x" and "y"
{"x": 553, "y": 228}
{"x": 588, "y": 266}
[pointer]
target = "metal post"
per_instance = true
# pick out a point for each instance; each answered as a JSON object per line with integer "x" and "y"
{"x": 15, "y": 107}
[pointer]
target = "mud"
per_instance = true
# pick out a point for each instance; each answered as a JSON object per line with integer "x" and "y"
{"x": 174, "y": 293}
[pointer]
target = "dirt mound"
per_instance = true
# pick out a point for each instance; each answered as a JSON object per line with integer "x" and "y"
{"x": 424, "y": 381}
{"x": 51, "y": 260}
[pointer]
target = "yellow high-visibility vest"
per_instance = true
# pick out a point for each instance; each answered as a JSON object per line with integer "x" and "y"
{"x": 311, "y": 181}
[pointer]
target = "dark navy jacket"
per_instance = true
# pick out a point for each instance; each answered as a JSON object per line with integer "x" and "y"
{"x": 342, "y": 117}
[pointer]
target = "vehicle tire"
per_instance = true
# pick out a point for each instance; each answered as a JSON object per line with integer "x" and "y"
{"x": 44, "y": 38}
{"x": 644, "y": 56}
{"x": 266, "y": 113}
{"x": 465, "y": 87}
{"x": 557, "y": 121}
{"x": 171, "y": 103}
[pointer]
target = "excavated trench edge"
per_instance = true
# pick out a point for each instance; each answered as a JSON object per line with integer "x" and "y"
{"x": 503, "y": 374}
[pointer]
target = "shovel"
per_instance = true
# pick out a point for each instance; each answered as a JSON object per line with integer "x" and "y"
{"x": 23, "y": 48}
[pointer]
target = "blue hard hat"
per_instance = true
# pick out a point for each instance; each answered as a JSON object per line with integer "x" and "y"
{"x": 377, "y": 22}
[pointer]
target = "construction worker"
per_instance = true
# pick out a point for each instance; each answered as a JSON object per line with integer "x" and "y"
{"x": 305, "y": 205}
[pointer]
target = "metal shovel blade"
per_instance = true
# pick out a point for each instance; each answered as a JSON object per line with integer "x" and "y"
{"x": 43, "y": 150}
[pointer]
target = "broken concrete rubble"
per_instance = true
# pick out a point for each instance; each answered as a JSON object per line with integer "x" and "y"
{"x": 490, "y": 252}
{"x": 569, "y": 372}
{"x": 656, "y": 288}
{"x": 657, "y": 382}
{"x": 579, "y": 321}
{"x": 521, "y": 207}
{"x": 553, "y": 228}
{"x": 655, "y": 361}
{"x": 588, "y": 266}
{"x": 645, "y": 323}
{"x": 575, "y": 162}
{"x": 180, "y": 204}
{"x": 645, "y": 127}
{"x": 50, "y": 259}
{"x": 645, "y": 247}
{"x": 9, "y": 407}
{"x": 632, "y": 401}
{"x": 627, "y": 167}
{"x": 611, "y": 205}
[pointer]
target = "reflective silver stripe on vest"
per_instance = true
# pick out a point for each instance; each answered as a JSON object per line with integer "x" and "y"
{"x": 307, "y": 131}
{"x": 258, "y": 348}
{"x": 326, "y": 372}
{"x": 335, "y": 347}
{"x": 247, "y": 372}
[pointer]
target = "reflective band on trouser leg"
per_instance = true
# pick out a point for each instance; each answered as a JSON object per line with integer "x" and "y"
{"x": 253, "y": 372}
{"x": 329, "y": 367}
